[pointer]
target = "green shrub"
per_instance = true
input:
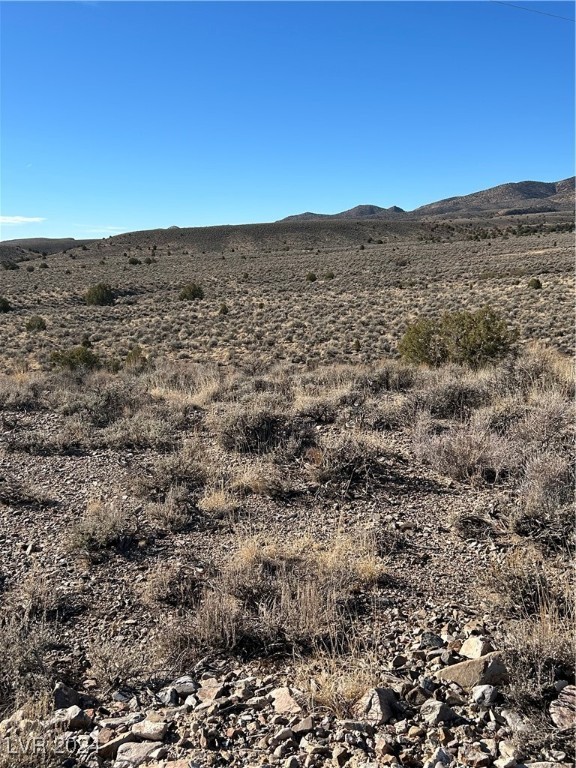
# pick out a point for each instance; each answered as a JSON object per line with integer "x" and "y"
{"x": 134, "y": 261}
{"x": 329, "y": 275}
{"x": 535, "y": 284}
{"x": 99, "y": 295}
{"x": 77, "y": 358}
{"x": 135, "y": 360}
{"x": 36, "y": 323}
{"x": 5, "y": 305}
{"x": 466, "y": 338}
{"x": 10, "y": 265}
{"x": 223, "y": 309}
{"x": 423, "y": 343}
{"x": 191, "y": 292}
{"x": 311, "y": 277}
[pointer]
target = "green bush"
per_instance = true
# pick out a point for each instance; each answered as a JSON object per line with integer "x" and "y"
{"x": 535, "y": 284}
{"x": 191, "y": 292}
{"x": 77, "y": 358}
{"x": 311, "y": 277}
{"x": 36, "y": 323}
{"x": 135, "y": 360}
{"x": 5, "y": 305}
{"x": 99, "y": 295}
{"x": 466, "y": 338}
{"x": 134, "y": 261}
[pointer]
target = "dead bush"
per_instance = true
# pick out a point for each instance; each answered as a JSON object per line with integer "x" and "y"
{"x": 174, "y": 512}
{"x": 348, "y": 465}
{"x": 186, "y": 467}
{"x": 173, "y": 584}
{"x": 218, "y": 502}
{"x": 113, "y": 663}
{"x": 521, "y": 584}
{"x": 104, "y": 527}
{"x": 25, "y": 643}
{"x": 248, "y": 429}
{"x": 469, "y": 452}
{"x": 278, "y": 596}
{"x": 22, "y": 392}
{"x": 261, "y": 478}
{"x": 336, "y": 681}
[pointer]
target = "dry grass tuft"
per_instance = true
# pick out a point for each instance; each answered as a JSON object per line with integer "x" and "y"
{"x": 104, "y": 526}
{"x": 278, "y": 595}
{"x": 174, "y": 512}
{"x": 335, "y": 682}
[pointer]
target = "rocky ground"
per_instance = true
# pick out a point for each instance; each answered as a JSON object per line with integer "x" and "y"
{"x": 419, "y": 661}
{"x": 439, "y": 704}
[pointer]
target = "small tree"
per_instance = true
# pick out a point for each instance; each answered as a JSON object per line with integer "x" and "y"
{"x": 311, "y": 277}
{"x": 467, "y": 338}
{"x": 36, "y": 323}
{"x": 423, "y": 343}
{"x": 535, "y": 284}
{"x": 5, "y": 305}
{"x": 191, "y": 292}
{"x": 77, "y": 358}
{"x": 99, "y": 295}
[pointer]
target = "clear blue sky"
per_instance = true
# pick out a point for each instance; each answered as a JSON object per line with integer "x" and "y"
{"x": 121, "y": 116}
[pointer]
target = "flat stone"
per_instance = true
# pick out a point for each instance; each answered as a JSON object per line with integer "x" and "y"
{"x": 132, "y": 755}
{"x": 435, "y": 712}
{"x": 210, "y": 692}
{"x": 304, "y": 726}
{"x": 185, "y": 685}
{"x": 71, "y": 719}
{"x": 430, "y": 640}
{"x": 340, "y": 755}
{"x": 545, "y": 764}
{"x": 169, "y": 696}
{"x": 484, "y": 695}
{"x": 563, "y": 710}
{"x": 487, "y": 670}
{"x": 108, "y": 747}
{"x": 475, "y": 647}
{"x": 284, "y": 734}
{"x": 377, "y": 706}
{"x": 151, "y": 731}
{"x": 284, "y": 702}
{"x": 312, "y": 747}
{"x": 505, "y": 762}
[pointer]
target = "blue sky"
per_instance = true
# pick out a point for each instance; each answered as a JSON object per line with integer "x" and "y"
{"x": 122, "y": 116}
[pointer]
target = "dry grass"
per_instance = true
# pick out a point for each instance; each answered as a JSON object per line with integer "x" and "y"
{"x": 105, "y": 526}
{"x": 334, "y": 682}
{"x": 260, "y": 478}
{"x": 274, "y": 314}
{"x": 218, "y": 502}
{"x": 174, "y": 512}
{"x": 278, "y": 595}
{"x": 172, "y": 584}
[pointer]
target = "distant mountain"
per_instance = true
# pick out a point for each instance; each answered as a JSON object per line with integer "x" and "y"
{"x": 505, "y": 199}
{"x": 359, "y": 212}
{"x": 31, "y": 247}
{"x": 522, "y": 197}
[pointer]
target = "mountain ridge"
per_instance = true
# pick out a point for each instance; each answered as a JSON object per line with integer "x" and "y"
{"x": 511, "y": 198}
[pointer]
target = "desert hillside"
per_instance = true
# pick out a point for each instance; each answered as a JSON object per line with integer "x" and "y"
{"x": 293, "y": 494}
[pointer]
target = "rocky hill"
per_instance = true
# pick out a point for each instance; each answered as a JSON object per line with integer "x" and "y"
{"x": 505, "y": 199}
